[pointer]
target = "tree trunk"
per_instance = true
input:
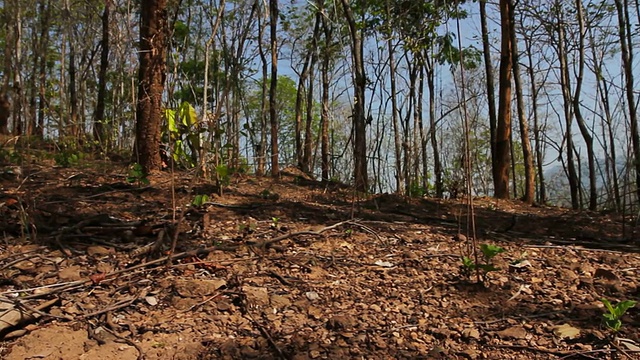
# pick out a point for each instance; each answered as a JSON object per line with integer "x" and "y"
{"x": 394, "y": 102}
{"x": 437, "y": 164}
{"x": 584, "y": 129}
{"x": 151, "y": 77}
{"x": 488, "y": 68}
{"x": 529, "y": 173}
{"x": 574, "y": 185}
{"x": 307, "y": 167}
{"x": 324, "y": 116}
{"x": 627, "y": 64}
{"x": 273, "y": 115}
{"x": 359, "y": 84}
{"x": 299, "y": 151}
{"x": 261, "y": 149}
{"x": 99, "y": 128}
{"x": 503, "y": 129}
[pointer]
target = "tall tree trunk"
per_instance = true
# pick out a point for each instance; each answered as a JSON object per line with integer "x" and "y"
{"x": 626, "y": 45}
{"x": 261, "y": 150}
{"x": 359, "y": 85}
{"x": 324, "y": 116}
{"x": 73, "y": 94}
{"x": 437, "y": 164}
{"x": 273, "y": 115}
{"x": 42, "y": 71}
{"x": 18, "y": 96}
{"x": 488, "y": 68}
{"x": 308, "y": 137}
{"x": 299, "y": 151}
{"x": 151, "y": 77}
{"x": 607, "y": 127}
{"x": 503, "y": 129}
{"x": 99, "y": 128}
{"x": 574, "y": 185}
{"x": 584, "y": 129}
{"x": 542, "y": 192}
{"x": 529, "y": 173}
{"x": 394, "y": 101}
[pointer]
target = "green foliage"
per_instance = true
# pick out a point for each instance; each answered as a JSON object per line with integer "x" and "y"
{"x": 10, "y": 157}
{"x": 486, "y": 265}
{"x": 416, "y": 190}
{"x": 200, "y": 200}
{"x": 67, "y": 158}
{"x": 137, "y": 175}
{"x": 613, "y": 318}
{"x": 184, "y": 135}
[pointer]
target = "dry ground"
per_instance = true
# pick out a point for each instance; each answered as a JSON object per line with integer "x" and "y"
{"x": 291, "y": 269}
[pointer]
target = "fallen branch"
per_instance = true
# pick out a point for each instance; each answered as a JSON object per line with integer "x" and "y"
{"x": 265, "y": 243}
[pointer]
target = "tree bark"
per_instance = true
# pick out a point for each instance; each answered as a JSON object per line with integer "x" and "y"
{"x": 151, "y": 77}
{"x": 574, "y": 184}
{"x": 99, "y": 128}
{"x": 529, "y": 173}
{"x": 627, "y": 64}
{"x": 503, "y": 128}
{"x": 584, "y": 129}
{"x": 359, "y": 84}
{"x": 273, "y": 115}
{"x": 324, "y": 116}
{"x": 491, "y": 101}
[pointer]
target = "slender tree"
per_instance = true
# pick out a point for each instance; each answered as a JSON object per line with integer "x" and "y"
{"x": 359, "y": 85}
{"x": 273, "y": 115}
{"x": 626, "y": 46}
{"x": 529, "y": 173}
{"x": 503, "y": 128}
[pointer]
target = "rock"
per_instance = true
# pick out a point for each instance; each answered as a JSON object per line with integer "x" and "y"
{"x": 340, "y": 322}
{"x": 198, "y": 288}
{"x": 514, "y": 332}
{"x": 471, "y": 333}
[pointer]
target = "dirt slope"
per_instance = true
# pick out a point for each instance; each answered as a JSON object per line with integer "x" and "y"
{"x": 291, "y": 269}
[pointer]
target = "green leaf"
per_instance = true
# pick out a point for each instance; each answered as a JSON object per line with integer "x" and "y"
{"x": 200, "y": 200}
{"x": 488, "y": 267}
{"x": 468, "y": 263}
{"x": 489, "y": 251}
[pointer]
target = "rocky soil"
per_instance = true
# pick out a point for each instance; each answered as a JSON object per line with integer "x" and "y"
{"x": 95, "y": 267}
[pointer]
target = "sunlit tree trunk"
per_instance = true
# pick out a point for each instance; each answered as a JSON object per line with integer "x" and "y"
{"x": 151, "y": 77}
{"x": 261, "y": 149}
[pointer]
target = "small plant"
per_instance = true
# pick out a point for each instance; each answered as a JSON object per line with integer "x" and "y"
{"x": 200, "y": 200}
{"x": 274, "y": 222}
{"x": 137, "y": 175}
{"x": 613, "y": 318}
{"x": 486, "y": 266}
{"x": 67, "y": 158}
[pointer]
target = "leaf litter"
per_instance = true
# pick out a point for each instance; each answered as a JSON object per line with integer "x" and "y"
{"x": 308, "y": 272}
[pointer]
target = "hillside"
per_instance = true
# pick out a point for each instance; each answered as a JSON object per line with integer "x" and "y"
{"x": 291, "y": 269}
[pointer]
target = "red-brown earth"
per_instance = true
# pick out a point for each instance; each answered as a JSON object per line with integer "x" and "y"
{"x": 291, "y": 269}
